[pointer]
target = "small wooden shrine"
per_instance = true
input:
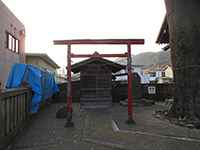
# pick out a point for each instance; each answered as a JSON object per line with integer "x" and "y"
{"x": 70, "y": 55}
{"x": 96, "y": 81}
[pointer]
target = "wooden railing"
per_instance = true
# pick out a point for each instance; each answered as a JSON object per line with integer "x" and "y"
{"x": 14, "y": 113}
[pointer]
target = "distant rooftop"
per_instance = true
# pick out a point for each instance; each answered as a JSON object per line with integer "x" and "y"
{"x": 45, "y": 57}
{"x": 157, "y": 67}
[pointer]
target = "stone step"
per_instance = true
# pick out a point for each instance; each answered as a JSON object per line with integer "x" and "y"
{"x": 95, "y": 105}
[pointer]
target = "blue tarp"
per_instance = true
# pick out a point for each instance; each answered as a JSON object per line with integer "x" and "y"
{"x": 41, "y": 82}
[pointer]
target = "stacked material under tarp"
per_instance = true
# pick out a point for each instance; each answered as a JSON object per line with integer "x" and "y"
{"x": 41, "y": 82}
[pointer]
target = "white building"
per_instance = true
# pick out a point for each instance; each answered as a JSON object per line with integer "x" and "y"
{"x": 135, "y": 69}
{"x": 159, "y": 73}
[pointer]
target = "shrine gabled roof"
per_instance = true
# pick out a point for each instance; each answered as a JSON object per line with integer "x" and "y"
{"x": 112, "y": 65}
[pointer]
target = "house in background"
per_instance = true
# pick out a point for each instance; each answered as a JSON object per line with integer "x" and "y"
{"x": 12, "y": 42}
{"x": 138, "y": 69}
{"x": 61, "y": 76}
{"x": 42, "y": 61}
{"x": 159, "y": 73}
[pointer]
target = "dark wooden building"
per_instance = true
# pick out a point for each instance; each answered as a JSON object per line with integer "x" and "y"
{"x": 163, "y": 36}
{"x": 96, "y": 81}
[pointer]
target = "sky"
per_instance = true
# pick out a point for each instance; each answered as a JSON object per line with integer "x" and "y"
{"x": 48, "y": 20}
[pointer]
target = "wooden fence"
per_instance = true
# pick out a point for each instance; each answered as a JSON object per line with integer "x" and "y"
{"x": 14, "y": 113}
{"x": 162, "y": 91}
{"x": 119, "y": 91}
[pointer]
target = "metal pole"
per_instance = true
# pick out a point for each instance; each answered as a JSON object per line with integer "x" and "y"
{"x": 69, "y": 122}
{"x": 130, "y": 97}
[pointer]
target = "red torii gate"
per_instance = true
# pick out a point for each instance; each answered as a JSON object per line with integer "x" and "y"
{"x": 127, "y": 42}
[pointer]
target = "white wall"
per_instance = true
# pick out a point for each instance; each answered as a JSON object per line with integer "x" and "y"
{"x": 144, "y": 78}
{"x": 169, "y": 72}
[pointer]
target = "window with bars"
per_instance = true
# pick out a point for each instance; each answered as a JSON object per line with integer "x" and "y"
{"x": 12, "y": 43}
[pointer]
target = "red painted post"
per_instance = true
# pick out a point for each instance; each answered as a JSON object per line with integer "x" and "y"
{"x": 69, "y": 122}
{"x": 130, "y": 97}
{"x": 69, "y": 97}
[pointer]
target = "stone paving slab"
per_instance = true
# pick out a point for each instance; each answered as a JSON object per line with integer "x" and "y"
{"x": 146, "y": 122}
{"x": 101, "y": 131}
{"x": 67, "y": 146}
{"x": 94, "y": 131}
{"x": 45, "y": 132}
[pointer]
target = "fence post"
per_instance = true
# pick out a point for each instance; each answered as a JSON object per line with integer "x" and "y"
{"x": 28, "y": 103}
{"x": 1, "y": 122}
{"x": 14, "y": 113}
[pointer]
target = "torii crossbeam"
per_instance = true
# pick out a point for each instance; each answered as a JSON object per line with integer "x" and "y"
{"x": 127, "y": 42}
